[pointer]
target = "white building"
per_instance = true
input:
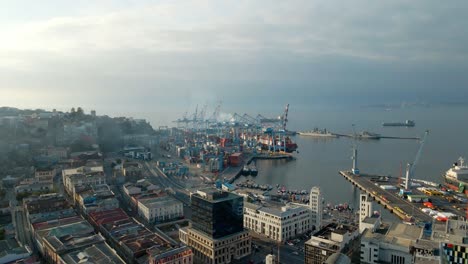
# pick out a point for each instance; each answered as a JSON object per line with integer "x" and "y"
{"x": 160, "y": 209}
{"x": 279, "y": 224}
{"x": 389, "y": 244}
{"x": 316, "y": 207}
{"x": 367, "y": 219}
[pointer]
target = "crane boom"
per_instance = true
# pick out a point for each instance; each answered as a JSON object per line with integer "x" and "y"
{"x": 410, "y": 167}
{"x": 418, "y": 155}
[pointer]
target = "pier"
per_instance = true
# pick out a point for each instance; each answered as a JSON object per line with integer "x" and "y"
{"x": 232, "y": 173}
{"x": 389, "y": 199}
{"x": 376, "y": 138}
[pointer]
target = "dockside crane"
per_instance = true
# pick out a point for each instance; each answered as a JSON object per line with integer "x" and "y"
{"x": 410, "y": 167}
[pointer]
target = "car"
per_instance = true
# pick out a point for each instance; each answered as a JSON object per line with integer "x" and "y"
{"x": 296, "y": 253}
{"x": 290, "y": 243}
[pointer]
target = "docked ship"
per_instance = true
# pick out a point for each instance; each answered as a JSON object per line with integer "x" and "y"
{"x": 318, "y": 133}
{"x": 407, "y": 123}
{"x": 366, "y": 135}
{"x": 277, "y": 143}
{"x": 456, "y": 178}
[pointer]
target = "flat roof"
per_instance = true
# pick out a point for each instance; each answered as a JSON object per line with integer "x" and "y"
{"x": 397, "y": 234}
{"x": 97, "y": 253}
{"x": 159, "y": 201}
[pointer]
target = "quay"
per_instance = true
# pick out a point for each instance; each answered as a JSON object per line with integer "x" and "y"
{"x": 378, "y": 137}
{"x": 389, "y": 199}
{"x": 232, "y": 173}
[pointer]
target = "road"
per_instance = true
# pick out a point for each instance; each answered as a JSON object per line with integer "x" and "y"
{"x": 178, "y": 190}
{"x": 23, "y": 234}
{"x": 287, "y": 253}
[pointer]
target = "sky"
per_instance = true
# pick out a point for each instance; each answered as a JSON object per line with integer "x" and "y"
{"x": 166, "y": 57}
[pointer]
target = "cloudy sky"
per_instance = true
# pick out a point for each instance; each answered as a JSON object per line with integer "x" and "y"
{"x": 164, "y": 56}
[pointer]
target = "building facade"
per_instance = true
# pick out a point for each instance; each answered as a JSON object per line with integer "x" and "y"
{"x": 279, "y": 224}
{"x": 160, "y": 209}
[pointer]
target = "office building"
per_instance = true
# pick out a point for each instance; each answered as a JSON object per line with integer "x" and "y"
{"x": 216, "y": 234}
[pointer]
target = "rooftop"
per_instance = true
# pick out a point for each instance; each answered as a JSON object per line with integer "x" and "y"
{"x": 327, "y": 231}
{"x": 214, "y": 195}
{"x": 397, "y": 234}
{"x": 276, "y": 211}
{"x": 99, "y": 253}
{"x": 453, "y": 231}
{"x": 159, "y": 201}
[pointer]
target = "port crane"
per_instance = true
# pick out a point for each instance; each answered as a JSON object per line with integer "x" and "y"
{"x": 410, "y": 167}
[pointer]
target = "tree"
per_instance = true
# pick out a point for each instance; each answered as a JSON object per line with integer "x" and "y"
{"x": 80, "y": 111}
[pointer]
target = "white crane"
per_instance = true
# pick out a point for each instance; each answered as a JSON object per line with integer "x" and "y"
{"x": 410, "y": 167}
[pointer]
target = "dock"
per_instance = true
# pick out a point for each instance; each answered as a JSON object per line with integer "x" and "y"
{"x": 232, "y": 173}
{"x": 389, "y": 199}
{"x": 377, "y": 138}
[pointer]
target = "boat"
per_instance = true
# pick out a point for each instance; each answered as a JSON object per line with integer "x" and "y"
{"x": 407, "y": 123}
{"x": 245, "y": 170}
{"x": 456, "y": 178}
{"x": 366, "y": 135}
{"x": 253, "y": 170}
{"x": 316, "y": 132}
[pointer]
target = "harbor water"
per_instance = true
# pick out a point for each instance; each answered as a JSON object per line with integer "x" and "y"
{"x": 319, "y": 159}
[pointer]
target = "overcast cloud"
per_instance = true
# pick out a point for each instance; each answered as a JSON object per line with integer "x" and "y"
{"x": 165, "y": 55}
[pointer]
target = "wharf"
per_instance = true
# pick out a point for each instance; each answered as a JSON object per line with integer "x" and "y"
{"x": 387, "y": 198}
{"x": 378, "y": 137}
{"x": 232, "y": 173}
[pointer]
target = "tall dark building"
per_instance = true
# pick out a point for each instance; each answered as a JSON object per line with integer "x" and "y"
{"x": 217, "y": 213}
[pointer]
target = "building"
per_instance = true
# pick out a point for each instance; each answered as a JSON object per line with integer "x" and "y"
{"x": 453, "y": 239}
{"x": 45, "y": 174}
{"x": 97, "y": 198}
{"x": 81, "y": 177}
{"x": 389, "y": 244}
{"x": 316, "y": 207}
{"x": 32, "y": 185}
{"x": 338, "y": 258}
{"x": 367, "y": 218}
{"x": 280, "y": 224}
{"x": 54, "y": 246}
{"x": 11, "y": 251}
{"x": 216, "y": 234}
{"x": 45, "y": 203}
{"x": 217, "y": 213}
{"x": 333, "y": 238}
{"x": 134, "y": 242}
{"x": 95, "y": 253}
{"x": 160, "y": 209}
{"x": 182, "y": 255}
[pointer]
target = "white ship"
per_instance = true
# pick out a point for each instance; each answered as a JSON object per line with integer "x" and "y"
{"x": 458, "y": 174}
{"x": 318, "y": 133}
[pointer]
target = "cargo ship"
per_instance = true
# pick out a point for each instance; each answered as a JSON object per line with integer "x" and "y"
{"x": 456, "y": 178}
{"x": 318, "y": 133}
{"x": 277, "y": 143}
{"x": 407, "y": 123}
